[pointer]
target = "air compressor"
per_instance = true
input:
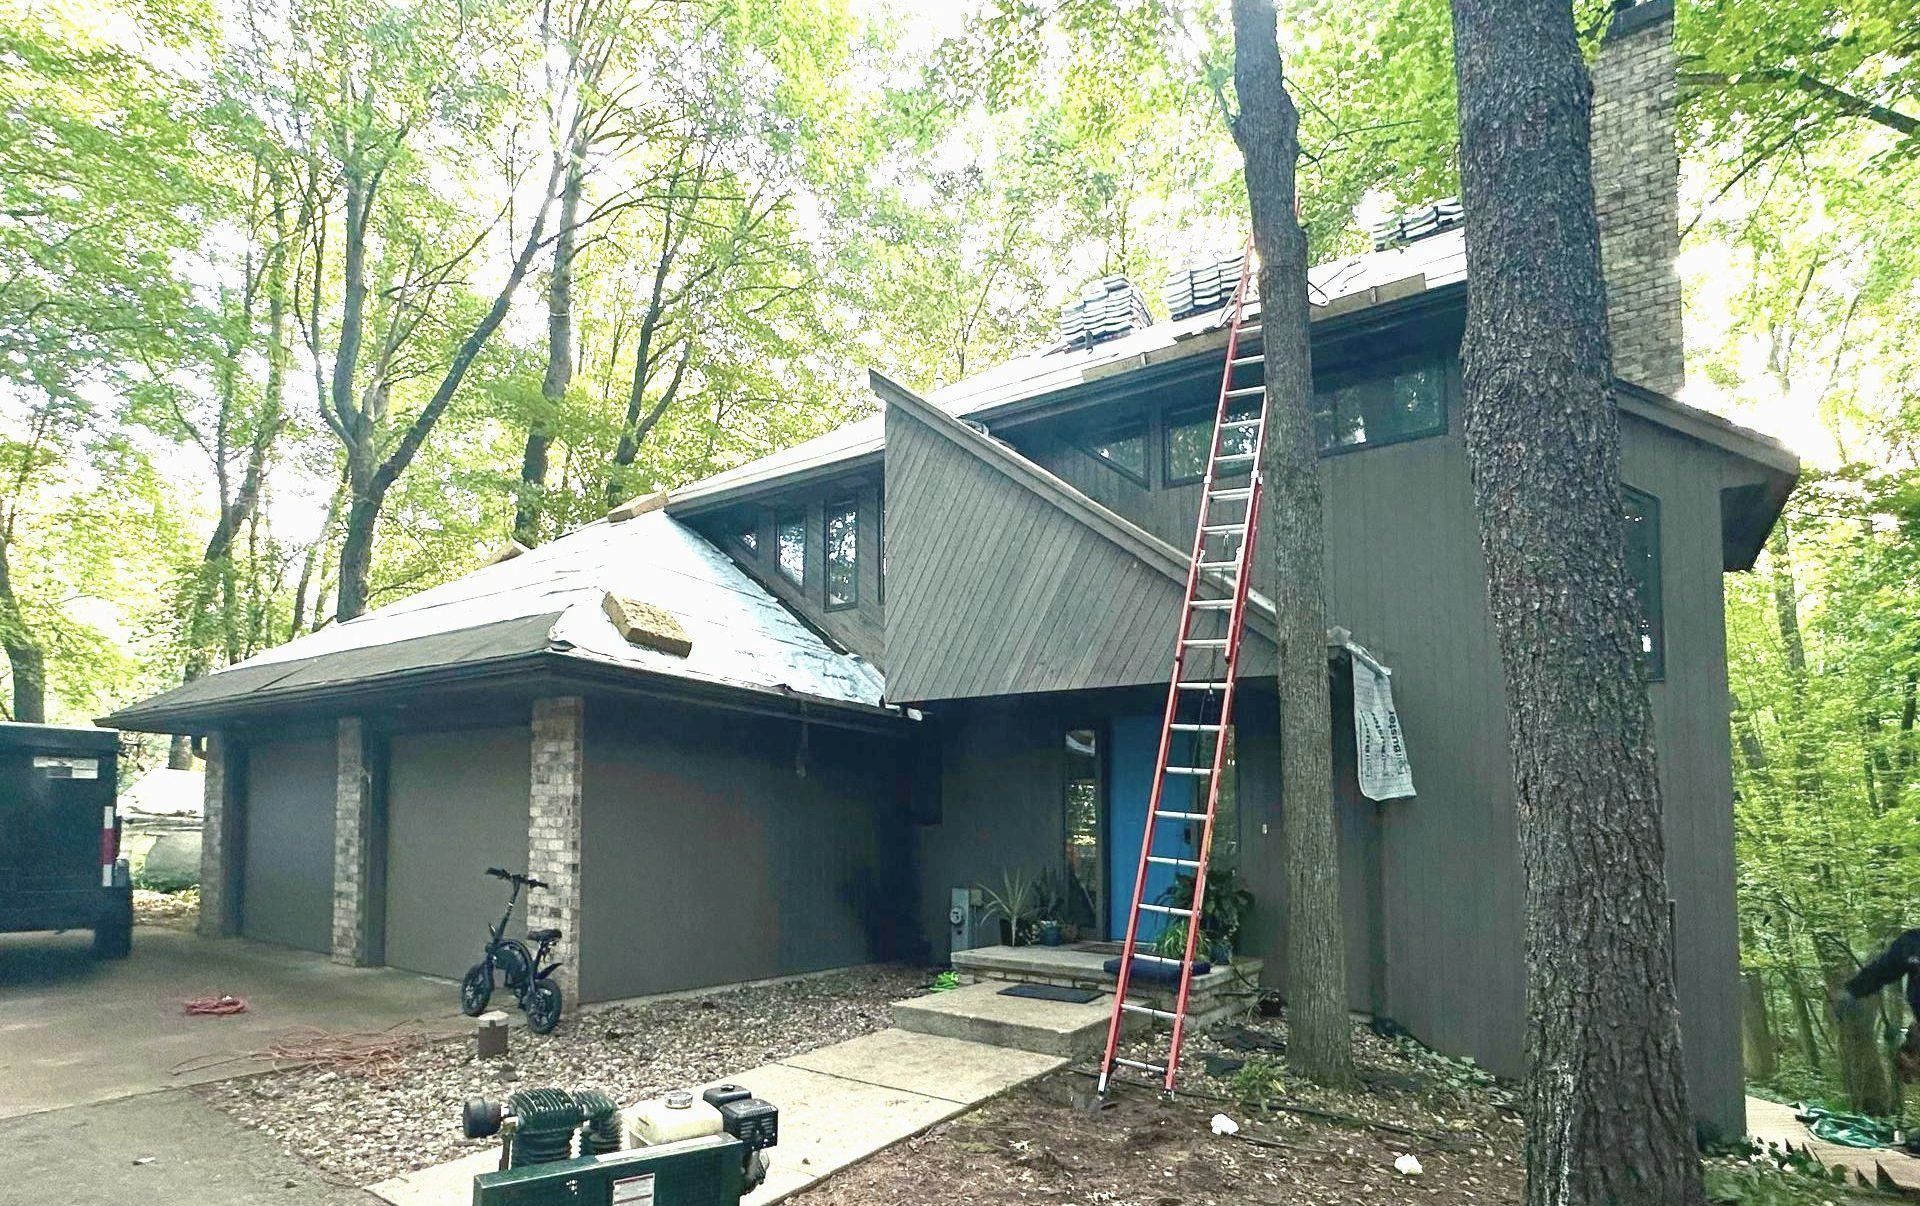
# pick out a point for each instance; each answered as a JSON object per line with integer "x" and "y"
{"x": 577, "y": 1147}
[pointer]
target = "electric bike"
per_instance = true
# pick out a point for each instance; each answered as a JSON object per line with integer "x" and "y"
{"x": 526, "y": 974}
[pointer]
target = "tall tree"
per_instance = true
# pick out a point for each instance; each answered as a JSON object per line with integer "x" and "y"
{"x": 1606, "y": 1098}
{"x": 1267, "y": 127}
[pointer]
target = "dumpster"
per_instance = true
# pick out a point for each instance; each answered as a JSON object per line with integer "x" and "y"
{"x": 60, "y": 864}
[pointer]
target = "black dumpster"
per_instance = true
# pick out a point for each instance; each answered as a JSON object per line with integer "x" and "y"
{"x": 60, "y": 864}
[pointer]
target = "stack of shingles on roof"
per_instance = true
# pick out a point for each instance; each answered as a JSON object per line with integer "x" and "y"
{"x": 1108, "y": 308}
{"x": 1418, "y": 223}
{"x": 1202, "y": 287}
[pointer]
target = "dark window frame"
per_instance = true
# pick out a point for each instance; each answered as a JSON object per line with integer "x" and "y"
{"x": 1390, "y": 368}
{"x": 1103, "y": 889}
{"x": 781, "y": 522}
{"x": 1137, "y": 429}
{"x": 849, "y": 507}
{"x": 1191, "y": 416}
{"x": 1653, "y": 612}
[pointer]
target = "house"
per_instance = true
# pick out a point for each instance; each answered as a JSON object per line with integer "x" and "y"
{"x": 765, "y": 724}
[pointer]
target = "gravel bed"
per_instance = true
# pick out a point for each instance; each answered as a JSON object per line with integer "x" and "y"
{"x": 363, "y": 1122}
{"x": 172, "y": 910}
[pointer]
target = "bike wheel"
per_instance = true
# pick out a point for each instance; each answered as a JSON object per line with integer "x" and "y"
{"x": 476, "y": 989}
{"x": 543, "y": 1006}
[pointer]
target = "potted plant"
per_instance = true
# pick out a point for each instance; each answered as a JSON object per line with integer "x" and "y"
{"x": 1016, "y": 903}
{"x": 1050, "y": 904}
{"x": 1225, "y": 908}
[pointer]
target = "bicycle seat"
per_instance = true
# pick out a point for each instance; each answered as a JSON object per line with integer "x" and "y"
{"x": 543, "y": 935}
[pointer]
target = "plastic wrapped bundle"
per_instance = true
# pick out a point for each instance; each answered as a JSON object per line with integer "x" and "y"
{"x": 1418, "y": 223}
{"x": 1108, "y": 308}
{"x": 1202, "y": 287}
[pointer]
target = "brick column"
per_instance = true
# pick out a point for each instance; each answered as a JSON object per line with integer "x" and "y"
{"x": 352, "y": 825}
{"x": 220, "y": 853}
{"x": 553, "y": 829}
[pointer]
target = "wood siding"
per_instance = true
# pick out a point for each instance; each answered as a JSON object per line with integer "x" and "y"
{"x": 999, "y": 591}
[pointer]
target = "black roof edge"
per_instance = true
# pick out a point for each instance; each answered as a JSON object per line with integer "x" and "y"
{"x": 521, "y": 670}
{"x": 54, "y": 738}
{"x": 706, "y": 504}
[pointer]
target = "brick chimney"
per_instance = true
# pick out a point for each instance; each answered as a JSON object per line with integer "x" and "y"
{"x": 1636, "y": 189}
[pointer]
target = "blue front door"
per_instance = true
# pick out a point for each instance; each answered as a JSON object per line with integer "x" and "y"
{"x": 1135, "y": 742}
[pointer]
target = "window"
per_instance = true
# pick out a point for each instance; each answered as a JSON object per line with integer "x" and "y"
{"x": 1124, "y": 450}
{"x": 843, "y": 554}
{"x": 1643, "y": 566}
{"x": 1189, "y": 434}
{"x": 1086, "y": 903}
{"x": 1351, "y": 410}
{"x": 1196, "y": 749}
{"x": 790, "y": 538}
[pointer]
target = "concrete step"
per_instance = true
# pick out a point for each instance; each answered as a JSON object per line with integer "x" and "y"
{"x": 977, "y": 1013}
{"x": 1216, "y": 994}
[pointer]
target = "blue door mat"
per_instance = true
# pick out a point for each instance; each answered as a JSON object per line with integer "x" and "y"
{"x": 1051, "y": 992}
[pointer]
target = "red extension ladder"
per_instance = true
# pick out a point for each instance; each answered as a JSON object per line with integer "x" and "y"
{"x": 1200, "y": 698}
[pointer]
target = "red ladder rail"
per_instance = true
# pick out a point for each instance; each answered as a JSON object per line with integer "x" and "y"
{"x": 1218, "y": 653}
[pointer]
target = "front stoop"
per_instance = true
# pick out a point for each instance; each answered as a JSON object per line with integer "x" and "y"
{"x": 1213, "y": 997}
{"x": 977, "y": 1013}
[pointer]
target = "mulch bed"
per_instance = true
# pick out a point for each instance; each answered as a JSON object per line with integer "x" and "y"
{"x": 359, "y": 1121}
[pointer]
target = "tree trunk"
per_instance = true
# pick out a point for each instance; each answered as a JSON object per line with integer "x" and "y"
{"x": 553, "y": 390}
{"x": 1758, "y": 1048}
{"x": 1863, "y": 1065}
{"x": 1319, "y": 1029}
{"x": 25, "y": 658}
{"x": 1608, "y": 1119}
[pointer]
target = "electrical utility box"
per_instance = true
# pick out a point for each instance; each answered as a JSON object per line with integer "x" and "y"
{"x": 60, "y": 864}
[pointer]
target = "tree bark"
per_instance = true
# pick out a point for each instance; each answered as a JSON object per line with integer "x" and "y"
{"x": 1863, "y": 1065}
{"x": 1758, "y": 1048}
{"x": 1608, "y": 1119}
{"x": 553, "y": 389}
{"x": 25, "y": 658}
{"x": 1319, "y": 1029}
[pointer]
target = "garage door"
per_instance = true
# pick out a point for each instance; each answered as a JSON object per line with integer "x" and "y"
{"x": 456, "y": 805}
{"x": 286, "y": 886}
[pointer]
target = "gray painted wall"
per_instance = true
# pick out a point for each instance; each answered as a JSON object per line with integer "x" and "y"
{"x": 708, "y": 858}
{"x": 1434, "y": 880}
{"x": 286, "y": 891}
{"x": 456, "y": 805}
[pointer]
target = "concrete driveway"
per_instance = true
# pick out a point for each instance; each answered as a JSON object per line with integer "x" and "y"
{"x": 75, "y": 1031}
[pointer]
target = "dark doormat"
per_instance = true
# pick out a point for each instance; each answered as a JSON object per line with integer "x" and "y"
{"x": 1051, "y": 992}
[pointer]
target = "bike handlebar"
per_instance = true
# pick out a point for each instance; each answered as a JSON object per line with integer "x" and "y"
{"x": 526, "y": 881}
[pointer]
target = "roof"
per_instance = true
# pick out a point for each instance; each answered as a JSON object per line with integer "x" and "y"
{"x": 56, "y": 738}
{"x": 1335, "y": 288}
{"x": 551, "y": 600}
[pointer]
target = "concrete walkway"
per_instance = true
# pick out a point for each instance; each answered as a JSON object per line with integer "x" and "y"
{"x": 838, "y": 1105}
{"x": 1769, "y": 1122}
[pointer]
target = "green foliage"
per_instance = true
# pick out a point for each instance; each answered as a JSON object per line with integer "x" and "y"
{"x": 1259, "y": 1083}
{"x": 1017, "y": 900}
{"x": 1228, "y": 901}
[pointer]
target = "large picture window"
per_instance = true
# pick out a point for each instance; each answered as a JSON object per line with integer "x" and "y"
{"x": 1643, "y": 565}
{"x": 1189, "y": 433}
{"x": 843, "y": 554}
{"x": 790, "y": 539}
{"x": 1353, "y": 410}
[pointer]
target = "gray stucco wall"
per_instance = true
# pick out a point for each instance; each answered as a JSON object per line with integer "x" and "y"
{"x": 708, "y": 858}
{"x": 286, "y": 881}
{"x": 456, "y": 805}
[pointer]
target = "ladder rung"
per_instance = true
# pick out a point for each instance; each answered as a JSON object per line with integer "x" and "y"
{"x": 1164, "y": 861}
{"x": 1233, "y": 456}
{"x": 1164, "y": 815}
{"x": 1241, "y": 361}
{"x": 1144, "y": 1067}
{"x": 1149, "y": 1010}
{"x": 1223, "y": 529}
{"x": 1157, "y": 958}
{"x": 1219, "y": 565}
{"x": 1196, "y": 728}
{"x": 1169, "y": 910}
{"x": 1242, "y": 423}
{"x": 1237, "y": 494}
{"x": 1212, "y": 604}
{"x": 1189, "y": 770}
{"x": 1247, "y": 391}
{"x": 1206, "y": 642}
{"x": 1197, "y": 686}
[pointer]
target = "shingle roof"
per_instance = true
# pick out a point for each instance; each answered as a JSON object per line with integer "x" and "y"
{"x": 551, "y": 599}
{"x": 1427, "y": 263}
